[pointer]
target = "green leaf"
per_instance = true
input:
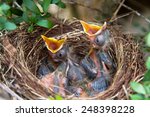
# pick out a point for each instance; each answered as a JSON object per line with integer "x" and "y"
{"x": 147, "y": 98}
{"x": 17, "y": 20}
{"x": 45, "y": 23}
{"x": 30, "y": 29}
{"x": 4, "y": 10}
{"x": 31, "y": 6}
{"x": 148, "y": 63}
{"x": 25, "y": 17}
{"x": 55, "y": 1}
{"x": 1, "y": 27}
{"x": 1, "y": 12}
{"x": 51, "y": 98}
{"x": 137, "y": 97}
{"x": 10, "y": 26}
{"x": 2, "y": 20}
{"x": 147, "y": 38}
{"x": 9, "y": 1}
{"x": 147, "y": 88}
{"x": 137, "y": 87}
{"x": 5, "y": 7}
{"x": 30, "y": 17}
{"x": 58, "y": 97}
{"x": 33, "y": 18}
{"x": 40, "y": 2}
{"x": 61, "y": 4}
{"x": 8, "y": 13}
{"x": 46, "y": 4}
{"x": 147, "y": 76}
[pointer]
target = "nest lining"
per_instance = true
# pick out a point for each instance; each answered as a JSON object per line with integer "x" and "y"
{"x": 22, "y": 53}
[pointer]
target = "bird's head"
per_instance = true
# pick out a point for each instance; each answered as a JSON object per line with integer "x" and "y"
{"x": 98, "y": 35}
{"x": 57, "y": 48}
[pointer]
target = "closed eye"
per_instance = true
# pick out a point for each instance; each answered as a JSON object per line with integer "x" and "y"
{"x": 100, "y": 40}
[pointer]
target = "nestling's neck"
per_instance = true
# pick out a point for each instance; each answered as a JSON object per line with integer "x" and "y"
{"x": 95, "y": 59}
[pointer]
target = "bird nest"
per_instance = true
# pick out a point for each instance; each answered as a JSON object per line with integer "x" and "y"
{"x": 21, "y": 54}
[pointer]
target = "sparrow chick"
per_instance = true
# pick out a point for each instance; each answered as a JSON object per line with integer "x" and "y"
{"x": 97, "y": 63}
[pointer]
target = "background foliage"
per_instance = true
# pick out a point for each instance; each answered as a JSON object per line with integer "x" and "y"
{"x": 13, "y": 12}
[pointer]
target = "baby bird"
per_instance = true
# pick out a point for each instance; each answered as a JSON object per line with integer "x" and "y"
{"x": 52, "y": 70}
{"x": 68, "y": 74}
{"x": 97, "y": 63}
{"x": 57, "y": 54}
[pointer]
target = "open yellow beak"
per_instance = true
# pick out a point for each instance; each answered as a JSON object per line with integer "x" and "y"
{"x": 52, "y": 44}
{"x": 92, "y": 29}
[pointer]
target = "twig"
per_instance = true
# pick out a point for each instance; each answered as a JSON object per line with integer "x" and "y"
{"x": 136, "y": 12}
{"x": 1, "y": 34}
{"x": 3, "y": 77}
{"x": 8, "y": 90}
{"x": 113, "y": 97}
{"x": 125, "y": 91}
{"x": 117, "y": 10}
{"x": 33, "y": 91}
{"x": 18, "y": 5}
{"x": 10, "y": 66}
{"x": 122, "y": 16}
{"x": 140, "y": 78}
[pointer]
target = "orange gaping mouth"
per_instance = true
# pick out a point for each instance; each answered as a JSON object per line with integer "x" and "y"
{"x": 52, "y": 44}
{"x": 92, "y": 29}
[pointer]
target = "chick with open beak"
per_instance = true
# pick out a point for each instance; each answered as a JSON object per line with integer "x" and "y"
{"x": 51, "y": 70}
{"x": 97, "y": 63}
{"x": 68, "y": 74}
{"x": 98, "y": 35}
{"x": 57, "y": 54}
